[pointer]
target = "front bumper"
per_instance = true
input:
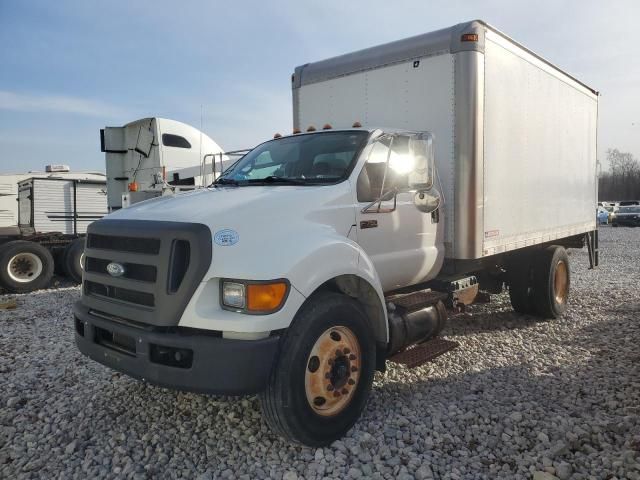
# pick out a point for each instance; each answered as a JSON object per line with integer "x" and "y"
{"x": 190, "y": 360}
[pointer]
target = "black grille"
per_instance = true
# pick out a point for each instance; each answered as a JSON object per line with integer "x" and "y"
{"x": 124, "y": 244}
{"x": 134, "y": 271}
{"x": 164, "y": 262}
{"x": 117, "y": 293}
{"x": 180, "y": 253}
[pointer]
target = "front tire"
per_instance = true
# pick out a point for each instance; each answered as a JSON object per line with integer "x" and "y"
{"x": 25, "y": 266}
{"x": 323, "y": 376}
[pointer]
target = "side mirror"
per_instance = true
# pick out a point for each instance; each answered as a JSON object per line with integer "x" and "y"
{"x": 427, "y": 201}
{"x": 421, "y": 177}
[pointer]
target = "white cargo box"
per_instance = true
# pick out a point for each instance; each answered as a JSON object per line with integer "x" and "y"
{"x": 60, "y": 205}
{"x": 515, "y": 136}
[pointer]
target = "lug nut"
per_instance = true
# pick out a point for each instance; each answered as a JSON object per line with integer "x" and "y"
{"x": 352, "y": 357}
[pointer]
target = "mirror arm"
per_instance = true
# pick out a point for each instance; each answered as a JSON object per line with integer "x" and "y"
{"x": 393, "y": 193}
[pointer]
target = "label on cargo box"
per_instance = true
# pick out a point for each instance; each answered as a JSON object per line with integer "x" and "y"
{"x": 491, "y": 233}
{"x": 226, "y": 237}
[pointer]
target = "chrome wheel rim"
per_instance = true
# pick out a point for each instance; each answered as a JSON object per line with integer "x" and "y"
{"x": 561, "y": 282}
{"x": 24, "y": 267}
{"x": 333, "y": 371}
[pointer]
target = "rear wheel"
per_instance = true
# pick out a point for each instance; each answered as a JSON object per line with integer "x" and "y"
{"x": 25, "y": 266}
{"x": 520, "y": 280}
{"x": 323, "y": 376}
{"x": 552, "y": 282}
{"x": 72, "y": 259}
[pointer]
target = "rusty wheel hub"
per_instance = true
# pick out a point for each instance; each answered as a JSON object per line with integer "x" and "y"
{"x": 333, "y": 371}
{"x": 561, "y": 282}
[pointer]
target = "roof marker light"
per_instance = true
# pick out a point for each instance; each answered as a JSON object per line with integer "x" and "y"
{"x": 469, "y": 37}
{"x": 327, "y": 127}
{"x": 311, "y": 128}
{"x": 356, "y": 125}
{"x": 296, "y": 131}
{"x": 277, "y": 135}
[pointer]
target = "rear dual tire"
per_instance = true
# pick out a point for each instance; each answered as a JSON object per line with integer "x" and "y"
{"x": 72, "y": 258}
{"x": 539, "y": 283}
{"x": 25, "y": 266}
{"x": 322, "y": 379}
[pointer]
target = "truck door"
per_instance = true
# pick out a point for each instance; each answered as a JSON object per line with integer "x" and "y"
{"x": 404, "y": 244}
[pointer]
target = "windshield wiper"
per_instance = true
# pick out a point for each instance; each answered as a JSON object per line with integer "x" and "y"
{"x": 277, "y": 179}
{"x": 226, "y": 181}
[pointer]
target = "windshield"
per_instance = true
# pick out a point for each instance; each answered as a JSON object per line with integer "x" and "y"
{"x": 301, "y": 159}
{"x": 629, "y": 210}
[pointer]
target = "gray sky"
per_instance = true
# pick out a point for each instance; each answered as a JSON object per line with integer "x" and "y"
{"x": 72, "y": 67}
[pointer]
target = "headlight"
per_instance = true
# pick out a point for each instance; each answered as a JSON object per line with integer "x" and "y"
{"x": 233, "y": 294}
{"x": 254, "y": 296}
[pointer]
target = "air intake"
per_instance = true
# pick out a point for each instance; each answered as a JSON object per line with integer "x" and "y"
{"x": 178, "y": 265}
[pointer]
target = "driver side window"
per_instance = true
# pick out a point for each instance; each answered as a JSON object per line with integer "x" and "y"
{"x": 378, "y": 175}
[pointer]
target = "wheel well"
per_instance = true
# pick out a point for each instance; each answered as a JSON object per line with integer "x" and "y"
{"x": 358, "y": 288}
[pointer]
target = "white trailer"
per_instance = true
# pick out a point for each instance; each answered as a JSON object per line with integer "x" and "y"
{"x": 9, "y": 192}
{"x": 53, "y": 216}
{"x": 65, "y": 206}
{"x": 156, "y": 156}
{"x": 320, "y": 255}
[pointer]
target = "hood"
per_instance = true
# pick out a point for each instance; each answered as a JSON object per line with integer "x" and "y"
{"x": 255, "y": 206}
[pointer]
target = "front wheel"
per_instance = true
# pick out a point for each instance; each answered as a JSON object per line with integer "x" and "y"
{"x": 323, "y": 376}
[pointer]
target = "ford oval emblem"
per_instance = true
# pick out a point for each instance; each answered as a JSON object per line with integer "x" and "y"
{"x": 226, "y": 237}
{"x": 115, "y": 269}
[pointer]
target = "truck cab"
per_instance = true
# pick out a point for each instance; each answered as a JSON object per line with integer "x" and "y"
{"x": 210, "y": 290}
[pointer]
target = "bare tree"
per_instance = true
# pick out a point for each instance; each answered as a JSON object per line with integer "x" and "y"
{"x": 622, "y": 181}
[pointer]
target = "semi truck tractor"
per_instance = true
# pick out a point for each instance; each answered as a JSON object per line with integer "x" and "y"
{"x": 152, "y": 157}
{"x": 421, "y": 176}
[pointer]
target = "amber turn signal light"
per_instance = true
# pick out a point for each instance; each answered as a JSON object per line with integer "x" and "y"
{"x": 265, "y": 297}
{"x": 469, "y": 37}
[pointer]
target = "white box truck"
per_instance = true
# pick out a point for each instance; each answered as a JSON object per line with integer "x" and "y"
{"x": 53, "y": 211}
{"x": 321, "y": 255}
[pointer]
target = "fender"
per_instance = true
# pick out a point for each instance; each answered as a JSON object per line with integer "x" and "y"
{"x": 306, "y": 267}
{"x": 351, "y": 270}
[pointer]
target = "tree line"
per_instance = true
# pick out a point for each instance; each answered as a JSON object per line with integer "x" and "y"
{"x": 622, "y": 180}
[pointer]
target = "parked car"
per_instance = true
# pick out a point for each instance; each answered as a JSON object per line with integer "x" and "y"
{"x": 612, "y": 208}
{"x": 603, "y": 215}
{"x": 627, "y": 217}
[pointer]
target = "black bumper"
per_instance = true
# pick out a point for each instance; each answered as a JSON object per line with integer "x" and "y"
{"x": 210, "y": 364}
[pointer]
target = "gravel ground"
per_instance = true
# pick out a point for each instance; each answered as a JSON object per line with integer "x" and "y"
{"x": 520, "y": 398}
